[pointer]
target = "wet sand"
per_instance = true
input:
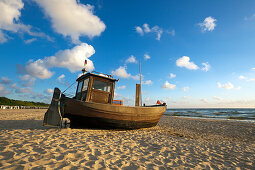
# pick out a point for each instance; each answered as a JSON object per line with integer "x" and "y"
{"x": 175, "y": 143}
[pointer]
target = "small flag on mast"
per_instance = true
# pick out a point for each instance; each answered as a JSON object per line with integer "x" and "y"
{"x": 84, "y": 69}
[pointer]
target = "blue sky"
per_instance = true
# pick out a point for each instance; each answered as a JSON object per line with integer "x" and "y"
{"x": 194, "y": 53}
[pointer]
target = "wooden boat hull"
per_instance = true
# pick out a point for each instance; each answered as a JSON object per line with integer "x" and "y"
{"x": 109, "y": 116}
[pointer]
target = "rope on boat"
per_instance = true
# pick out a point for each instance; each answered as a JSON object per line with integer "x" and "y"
{"x": 68, "y": 87}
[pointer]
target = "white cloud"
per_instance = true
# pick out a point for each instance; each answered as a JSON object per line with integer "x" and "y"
{"x": 3, "y": 91}
{"x": 139, "y": 30}
{"x": 61, "y": 77}
{"x": 172, "y": 32}
{"x": 249, "y": 18}
{"x": 171, "y": 75}
{"x": 131, "y": 59}
{"x": 253, "y": 69}
{"x": 40, "y": 97}
{"x": 10, "y": 13}
{"x": 146, "y": 29}
{"x": 121, "y": 87}
{"x": 25, "y": 77}
{"x": 27, "y": 80}
{"x": 158, "y": 31}
{"x": 29, "y": 41}
{"x": 147, "y": 100}
{"x": 147, "y": 82}
{"x": 147, "y": 57}
{"x": 228, "y": 86}
{"x": 3, "y": 38}
{"x": 246, "y": 79}
{"x": 185, "y": 62}
{"x": 186, "y": 88}
{"x": 122, "y": 73}
{"x": 13, "y": 86}
{"x": 48, "y": 91}
{"x": 136, "y": 77}
{"x": 204, "y": 100}
{"x": 38, "y": 69}
{"x": 251, "y": 79}
{"x": 206, "y": 66}
{"x": 5, "y": 80}
{"x": 128, "y": 101}
{"x": 186, "y": 97}
{"x": 39, "y": 34}
{"x": 208, "y": 24}
{"x": 23, "y": 90}
{"x": 217, "y": 98}
{"x": 61, "y": 80}
{"x": 72, "y": 59}
{"x": 71, "y": 18}
{"x": 238, "y": 88}
{"x": 9, "y": 20}
{"x": 168, "y": 85}
{"x": 242, "y": 77}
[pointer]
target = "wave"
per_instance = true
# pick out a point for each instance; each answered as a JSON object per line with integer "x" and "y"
{"x": 233, "y": 114}
{"x": 241, "y": 118}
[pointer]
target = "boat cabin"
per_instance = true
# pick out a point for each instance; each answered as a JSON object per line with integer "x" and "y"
{"x": 96, "y": 88}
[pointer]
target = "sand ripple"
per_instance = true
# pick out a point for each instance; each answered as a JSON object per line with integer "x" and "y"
{"x": 25, "y": 144}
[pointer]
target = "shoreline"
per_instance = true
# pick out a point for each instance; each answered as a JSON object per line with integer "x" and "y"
{"x": 188, "y": 108}
{"x": 174, "y": 143}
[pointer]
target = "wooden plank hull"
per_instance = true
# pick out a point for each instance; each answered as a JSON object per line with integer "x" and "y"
{"x": 107, "y": 116}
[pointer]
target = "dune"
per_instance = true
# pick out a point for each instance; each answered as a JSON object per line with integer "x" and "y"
{"x": 174, "y": 143}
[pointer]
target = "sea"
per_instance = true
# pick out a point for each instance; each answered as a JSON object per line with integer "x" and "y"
{"x": 226, "y": 114}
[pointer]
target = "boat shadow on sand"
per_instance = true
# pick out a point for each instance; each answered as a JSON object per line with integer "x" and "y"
{"x": 37, "y": 125}
{"x": 21, "y": 124}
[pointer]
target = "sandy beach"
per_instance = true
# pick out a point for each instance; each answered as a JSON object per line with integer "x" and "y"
{"x": 174, "y": 143}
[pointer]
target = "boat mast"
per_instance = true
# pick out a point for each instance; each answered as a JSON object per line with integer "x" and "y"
{"x": 138, "y": 96}
{"x": 140, "y": 81}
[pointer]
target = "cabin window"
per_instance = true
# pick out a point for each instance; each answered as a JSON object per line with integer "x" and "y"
{"x": 85, "y": 84}
{"x": 100, "y": 85}
{"x": 78, "y": 93}
{"x": 79, "y": 87}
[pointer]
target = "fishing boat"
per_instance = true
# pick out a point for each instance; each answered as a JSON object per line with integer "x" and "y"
{"x": 93, "y": 106}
